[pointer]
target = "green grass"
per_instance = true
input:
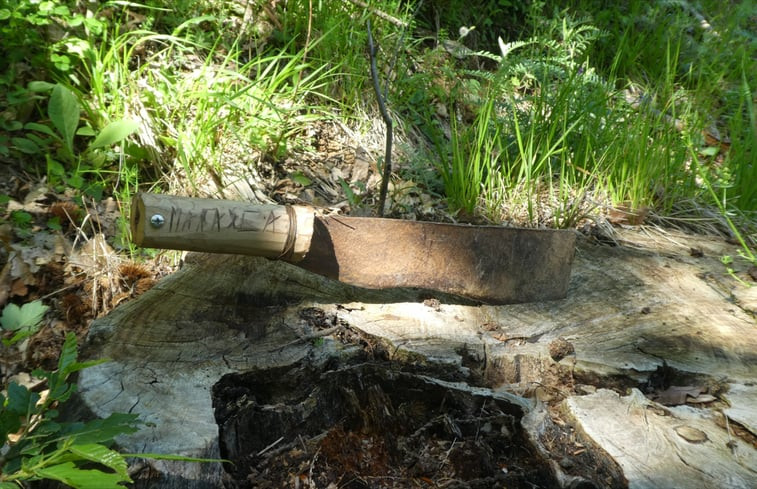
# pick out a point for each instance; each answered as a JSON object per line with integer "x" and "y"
{"x": 581, "y": 107}
{"x": 593, "y": 118}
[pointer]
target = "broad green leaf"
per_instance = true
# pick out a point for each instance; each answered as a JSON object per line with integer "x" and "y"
{"x": 37, "y": 140}
{"x": 25, "y": 145}
{"x": 20, "y": 335}
{"x": 68, "y": 354}
{"x": 62, "y": 10}
{"x": 8, "y": 485}
{"x": 114, "y": 132}
{"x": 63, "y": 110}
{"x": 21, "y": 401}
{"x": 70, "y": 474}
{"x": 75, "y": 181}
{"x": 55, "y": 168}
{"x": 40, "y": 86}
{"x": 10, "y": 422}
{"x": 102, "y": 455}
{"x": 12, "y": 125}
{"x": 54, "y": 223}
{"x": 103, "y": 430}
{"x": 299, "y": 177}
{"x": 21, "y": 219}
{"x": 34, "y": 126}
{"x": 95, "y": 190}
{"x": 46, "y": 7}
{"x": 86, "y": 131}
{"x": 27, "y": 316}
{"x": 4, "y": 14}
{"x": 61, "y": 392}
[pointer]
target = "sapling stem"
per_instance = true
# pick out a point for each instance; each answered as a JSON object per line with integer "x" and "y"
{"x": 387, "y": 120}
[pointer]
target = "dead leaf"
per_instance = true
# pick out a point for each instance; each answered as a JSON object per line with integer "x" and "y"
{"x": 19, "y": 288}
{"x": 676, "y": 395}
{"x": 19, "y": 273}
{"x": 626, "y": 214}
{"x": 701, "y": 399}
{"x": 94, "y": 255}
{"x": 5, "y": 284}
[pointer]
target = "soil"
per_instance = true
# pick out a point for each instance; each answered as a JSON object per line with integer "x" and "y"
{"x": 365, "y": 421}
{"x": 370, "y": 425}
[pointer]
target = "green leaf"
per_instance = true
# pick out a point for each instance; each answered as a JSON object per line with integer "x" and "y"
{"x": 75, "y": 181}
{"x": 40, "y": 86}
{"x": 299, "y": 177}
{"x": 351, "y": 198}
{"x": 46, "y": 7}
{"x": 102, "y": 455}
{"x": 86, "y": 131}
{"x": 70, "y": 474}
{"x": 178, "y": 458}
{"x": 27, "y": 316}
{"x": 25, "y": 145}
{"x": 102, "y": 430}
{"x": 55, "y": 168}
{"x": 21, "y": 219}
{"x": 95, "y": 190}
{"x": 12, "y": 125}
{"x": 62, "y": 10}
{"x": 68, "y": 354}
{"x": 114, "y": 132}
{"x": 63, "y": 110}
{"x": 21, "y": 400}
{"x": 54, "y": 223}
{"x": 33, "y": 126}
{"x": 9, "y": 423}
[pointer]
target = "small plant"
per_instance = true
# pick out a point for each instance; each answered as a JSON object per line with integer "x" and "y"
{"x": 24, "y": 320}
{"x": 471, "y": 160}
{"x": 36, "y": 446}
{"x": 64, "y": 112}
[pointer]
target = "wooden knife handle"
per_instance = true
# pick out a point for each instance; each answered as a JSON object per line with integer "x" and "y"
{"x": 221, "y": 226}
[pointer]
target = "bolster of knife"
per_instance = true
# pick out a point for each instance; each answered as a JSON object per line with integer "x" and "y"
{"x": 221, "y": 226}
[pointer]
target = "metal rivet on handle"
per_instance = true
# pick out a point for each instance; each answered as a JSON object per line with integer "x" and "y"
{"x": 157, "y": 220}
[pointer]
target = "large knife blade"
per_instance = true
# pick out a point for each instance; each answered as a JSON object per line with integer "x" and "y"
{"x": 492, "y": 264}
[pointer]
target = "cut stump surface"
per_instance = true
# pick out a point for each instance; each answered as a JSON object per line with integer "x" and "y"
{"x": 643, "y": 377}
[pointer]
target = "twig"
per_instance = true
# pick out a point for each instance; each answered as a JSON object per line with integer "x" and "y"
{"x": 261, "y": 452}
{"x": 379, "y": 13}
{"x": 387, "y": 120}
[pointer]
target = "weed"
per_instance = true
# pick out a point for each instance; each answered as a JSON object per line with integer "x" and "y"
{"x": 24, "y": 320}
{"x": 36, "y": 445}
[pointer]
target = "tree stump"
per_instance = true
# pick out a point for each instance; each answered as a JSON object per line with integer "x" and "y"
{"x": 643, "y": 377}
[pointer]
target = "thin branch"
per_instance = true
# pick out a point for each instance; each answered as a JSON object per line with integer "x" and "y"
{"x": 387, "y": 120}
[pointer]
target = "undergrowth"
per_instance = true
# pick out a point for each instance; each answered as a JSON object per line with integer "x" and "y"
{"x": 539, "y": 114}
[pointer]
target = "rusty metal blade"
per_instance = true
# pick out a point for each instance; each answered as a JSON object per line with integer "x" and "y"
{"x": 487, "y": 263}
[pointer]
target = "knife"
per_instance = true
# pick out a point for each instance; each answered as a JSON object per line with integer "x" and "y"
{"x": 490, "y": 264}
